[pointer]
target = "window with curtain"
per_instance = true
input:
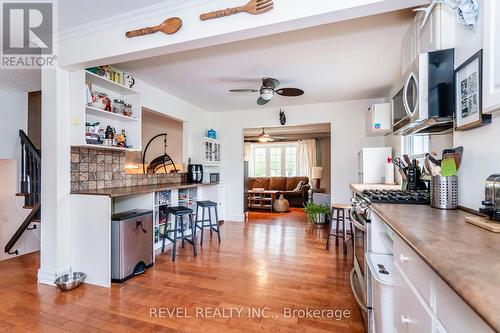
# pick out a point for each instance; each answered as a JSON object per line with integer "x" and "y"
{"x": 291, "y": 161}
{"x": 260, "y": 162}
{"x": 274, "y": 160}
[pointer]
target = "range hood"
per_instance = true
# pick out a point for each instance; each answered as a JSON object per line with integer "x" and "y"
{"x": 428, "y": 126}
{"x": 424, "y": 100}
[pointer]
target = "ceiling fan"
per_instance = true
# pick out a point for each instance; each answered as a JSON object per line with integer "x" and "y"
{"x": 263, "y": 137}
{"x": 269, "y": 87}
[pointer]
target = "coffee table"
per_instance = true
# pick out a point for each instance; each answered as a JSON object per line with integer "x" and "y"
{"x": 262, "y": 199}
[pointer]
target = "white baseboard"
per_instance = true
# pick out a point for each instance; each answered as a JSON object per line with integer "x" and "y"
{"x": 48, "y": 277}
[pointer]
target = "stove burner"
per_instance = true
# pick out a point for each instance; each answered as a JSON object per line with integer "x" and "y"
{"x": 398, "y": 197}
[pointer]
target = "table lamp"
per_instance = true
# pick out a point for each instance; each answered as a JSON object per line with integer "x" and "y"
{"x": 317, "y": 174}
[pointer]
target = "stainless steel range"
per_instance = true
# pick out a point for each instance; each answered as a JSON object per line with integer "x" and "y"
{"x": 397, "y": 197}
{"x": 360, "y": 217}
{"x": 371, "y": 236}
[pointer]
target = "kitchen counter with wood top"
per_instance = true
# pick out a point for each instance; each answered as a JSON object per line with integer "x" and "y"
{"x": 132, "y": 190}
{"x": 466, "y": 257}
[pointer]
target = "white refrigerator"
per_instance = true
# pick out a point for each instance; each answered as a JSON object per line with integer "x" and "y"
{"x": 372, "y": 164}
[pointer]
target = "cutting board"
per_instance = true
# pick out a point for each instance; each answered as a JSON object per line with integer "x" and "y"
{"x": 490, "y": 225}
{"x": 448, "y": 166}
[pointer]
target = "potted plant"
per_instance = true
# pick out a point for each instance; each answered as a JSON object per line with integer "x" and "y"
{"x": 317, "y": 213}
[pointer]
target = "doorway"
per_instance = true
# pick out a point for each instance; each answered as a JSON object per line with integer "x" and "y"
{"x": 285, "y": 166}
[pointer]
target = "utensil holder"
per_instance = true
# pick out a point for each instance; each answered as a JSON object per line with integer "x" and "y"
{"x": 444, "y": 192}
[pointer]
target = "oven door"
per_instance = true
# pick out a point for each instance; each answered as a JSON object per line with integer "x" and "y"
{"x": 360, "y": 281}
{"x": 361, "y": 240}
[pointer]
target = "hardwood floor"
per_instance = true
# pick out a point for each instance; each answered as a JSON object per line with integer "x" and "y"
{"x": 275, "y": 263}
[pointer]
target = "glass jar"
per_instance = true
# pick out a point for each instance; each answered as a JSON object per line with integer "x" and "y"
{"x": 127, "y": 110}
{"x": 118, "y": 106}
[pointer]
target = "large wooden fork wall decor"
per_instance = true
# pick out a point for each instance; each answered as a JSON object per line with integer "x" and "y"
{"x": 254, "y": 7}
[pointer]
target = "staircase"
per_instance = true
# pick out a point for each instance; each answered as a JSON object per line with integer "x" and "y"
{"x": 30, "y": 189}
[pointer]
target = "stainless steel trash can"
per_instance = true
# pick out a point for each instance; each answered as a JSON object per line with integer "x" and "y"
{"x": 131, "y": 244}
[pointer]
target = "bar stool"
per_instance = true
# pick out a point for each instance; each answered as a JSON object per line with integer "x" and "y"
{"x": 179, "y": 232}
{"x": 213, "y": 227}
{"x": 340, "y": 213}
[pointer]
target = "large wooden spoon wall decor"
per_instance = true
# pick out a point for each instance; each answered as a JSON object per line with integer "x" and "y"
{"x": 169, "y": 26}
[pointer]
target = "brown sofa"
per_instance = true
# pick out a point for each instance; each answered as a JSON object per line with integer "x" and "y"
{"x": 286, "y": 185}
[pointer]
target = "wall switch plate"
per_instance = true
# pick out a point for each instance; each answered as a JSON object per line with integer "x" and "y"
{"x": 76, "y": 121}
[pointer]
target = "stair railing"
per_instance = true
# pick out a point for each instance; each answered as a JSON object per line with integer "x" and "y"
{"x": 30, "y": 188}
{"x": 30, "y": 171}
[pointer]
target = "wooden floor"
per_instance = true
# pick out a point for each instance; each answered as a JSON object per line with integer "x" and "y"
{"x": 274, "y": 264}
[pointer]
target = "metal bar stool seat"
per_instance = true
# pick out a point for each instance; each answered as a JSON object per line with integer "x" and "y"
{"x": 179, "y": 231}
{"x": 340, "y": 213}
{"x": 207, "y": 223}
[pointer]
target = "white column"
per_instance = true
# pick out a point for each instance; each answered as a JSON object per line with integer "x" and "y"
{"x": 55, "y": 237}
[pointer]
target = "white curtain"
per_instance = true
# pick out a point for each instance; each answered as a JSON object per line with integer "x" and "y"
{"x": 306, "y": 155}
{"x": 246, "y": 151}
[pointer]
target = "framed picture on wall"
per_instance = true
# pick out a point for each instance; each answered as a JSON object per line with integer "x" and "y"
{"x": 469, "y": 94}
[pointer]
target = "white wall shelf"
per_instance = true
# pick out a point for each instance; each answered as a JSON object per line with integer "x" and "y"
{"x": 108, "y": 114}
{"x": 81, "y": 113}
{"x": 109, "y": 85}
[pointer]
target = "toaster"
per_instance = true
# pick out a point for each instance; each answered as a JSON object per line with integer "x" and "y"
{"x": 491, "y": 201}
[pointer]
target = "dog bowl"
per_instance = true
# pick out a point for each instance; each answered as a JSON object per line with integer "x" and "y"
{"x": 70, "y": 281}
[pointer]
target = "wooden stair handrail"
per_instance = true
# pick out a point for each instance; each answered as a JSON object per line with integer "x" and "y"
{"x": 23, "y": 227}
{"x": 30, "y": 188}
{"x": 31, "y": 163}
{"x": 31, "y": 147}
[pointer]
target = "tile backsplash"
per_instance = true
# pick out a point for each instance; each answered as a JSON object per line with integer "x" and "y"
{"x": 93, "y": 169}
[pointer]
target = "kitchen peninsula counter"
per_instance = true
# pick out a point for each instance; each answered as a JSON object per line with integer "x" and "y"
{"x": 91, "y": 214}
{"x": 133, "y": 190}
{"x": 463, "y": 255}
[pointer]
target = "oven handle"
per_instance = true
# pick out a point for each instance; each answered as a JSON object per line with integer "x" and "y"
{"x": 355, "y": 292}
{"x": 357, "y": 224}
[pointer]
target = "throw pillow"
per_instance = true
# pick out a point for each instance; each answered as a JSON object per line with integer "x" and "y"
{"x": 298, "y": 188}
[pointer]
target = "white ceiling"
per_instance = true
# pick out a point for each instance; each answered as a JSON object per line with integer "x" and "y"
{"x": 73, "y": 13}
{"x": 355, "y": 59}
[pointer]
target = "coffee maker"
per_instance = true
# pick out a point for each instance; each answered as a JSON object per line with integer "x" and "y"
{"x": 195, "y": 173}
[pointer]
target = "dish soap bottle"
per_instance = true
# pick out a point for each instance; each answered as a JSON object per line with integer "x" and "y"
{"x": 389, "y": 171}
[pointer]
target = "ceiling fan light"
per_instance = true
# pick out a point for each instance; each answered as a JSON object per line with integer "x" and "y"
{"x": 265, "y": 139}
{"x": 267, "y": 94}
